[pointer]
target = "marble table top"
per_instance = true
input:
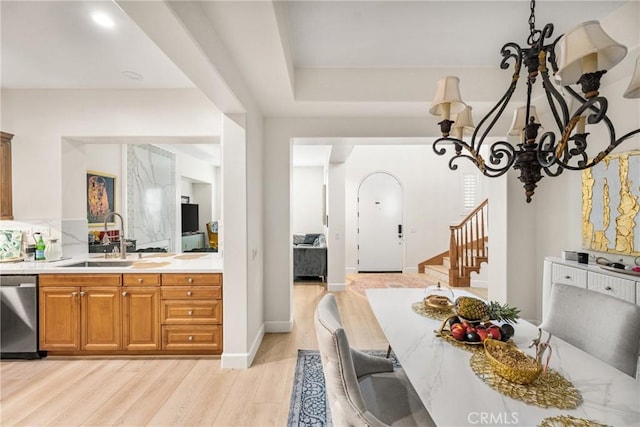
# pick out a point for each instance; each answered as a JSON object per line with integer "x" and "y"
{"x": 455, "y": 396}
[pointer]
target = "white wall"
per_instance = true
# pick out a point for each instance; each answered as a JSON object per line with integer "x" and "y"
{"x": 306, "y": 212}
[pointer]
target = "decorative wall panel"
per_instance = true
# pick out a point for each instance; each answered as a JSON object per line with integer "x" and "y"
{"x": 151, "y": 196}
{"x": 611, "y": 205}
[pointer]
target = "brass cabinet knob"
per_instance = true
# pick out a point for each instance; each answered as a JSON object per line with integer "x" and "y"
{"x": 83, "y": 293}
{"x": 190, "y": 280}
{"x": 189, "y": 293}
{"x": 124, "y": 294}
{"x": 190, "y": 337}
{"x": 74, "y": 294}
{"x": 140, "y": 280}
{"x": 190, "y": 313}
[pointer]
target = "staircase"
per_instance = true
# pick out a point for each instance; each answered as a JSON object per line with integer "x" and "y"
{"x": 467, "y": 251}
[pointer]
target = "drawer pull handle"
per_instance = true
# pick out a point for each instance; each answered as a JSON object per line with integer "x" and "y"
{"x": 83, "y": 293}
{"x": 190, "y": 280}
{"x": 608, "y": 288}
{"x": 74, "y": 294}
{"x": 190, "y": 312}
{"x": 124, "y": 294}
{"x": 189, "y": 293}
{"x": 190, "y": 337}
{"x": 139, "y": 280}
{"x": 567, "y": 277}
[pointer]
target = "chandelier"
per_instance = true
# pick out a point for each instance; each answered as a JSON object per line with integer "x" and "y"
{"x": 581, "y": 56}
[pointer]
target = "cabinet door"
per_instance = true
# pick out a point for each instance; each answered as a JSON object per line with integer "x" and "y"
{"x": 101, "y": 319}
{"x": 59, "y": 319}
{"x": 141, "y": 318}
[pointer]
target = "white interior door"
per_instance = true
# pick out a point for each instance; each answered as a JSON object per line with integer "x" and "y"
{"x": 380, "y": 239}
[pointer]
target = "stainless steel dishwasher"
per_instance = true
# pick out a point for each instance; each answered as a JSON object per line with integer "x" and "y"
{"x": 19, "y": 317}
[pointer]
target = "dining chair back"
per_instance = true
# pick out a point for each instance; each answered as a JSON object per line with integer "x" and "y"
{"x": 601, "y": 325}
{"x": 362, "y": 389}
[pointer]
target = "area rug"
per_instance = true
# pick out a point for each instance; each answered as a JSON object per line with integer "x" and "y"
{"x": 309, "y": 406}
{"x": 388, "y": 280}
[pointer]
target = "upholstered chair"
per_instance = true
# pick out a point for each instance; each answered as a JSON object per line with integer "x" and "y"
{"x": 601, "y": 325}
{"x": 362, "y": 389}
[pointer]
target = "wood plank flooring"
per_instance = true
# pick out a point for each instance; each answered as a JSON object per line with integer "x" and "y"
{"x": 174, "y": 391}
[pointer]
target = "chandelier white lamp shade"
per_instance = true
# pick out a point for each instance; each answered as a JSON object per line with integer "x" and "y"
{"x": 633, "y": 91}
{"x": 447, "y": 100}
{"x": 586, "y": 49}
{"x": 581, "y": 56}
{"x": 463, "y": 124}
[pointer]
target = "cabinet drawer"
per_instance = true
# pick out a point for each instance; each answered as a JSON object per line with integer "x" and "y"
{"x": 80, "y": 279}
{"x": 569, "y": 275}
{"x": 614, "y": 286}
{"x": 197, "y": 337}
{"x": 192, "y": 292}
{"x": 191, "y": 311}
{"x": 191, "y": 279}
{"x": 141, "y": 279}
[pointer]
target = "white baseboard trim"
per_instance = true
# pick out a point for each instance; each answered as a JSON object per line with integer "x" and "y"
{"x": 278, "y": 326}
{"x": 336, "y": 287}
{"x": 350, "y": 270}
{"x": 243, "y": 360}
{"x": 411, "y": 269}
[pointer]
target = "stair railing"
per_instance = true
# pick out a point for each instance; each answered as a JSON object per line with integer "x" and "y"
{"x": 467, "y": 245}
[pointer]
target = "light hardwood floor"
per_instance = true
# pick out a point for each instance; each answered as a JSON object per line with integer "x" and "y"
{"x": 176, "y": 391}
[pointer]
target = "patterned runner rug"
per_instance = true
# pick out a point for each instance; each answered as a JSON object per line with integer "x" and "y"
{"x": 309, "y": 406}
{"x": 364, "y": 281}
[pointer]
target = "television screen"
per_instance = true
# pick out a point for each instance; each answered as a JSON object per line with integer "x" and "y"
{"x": 189, "y": 218}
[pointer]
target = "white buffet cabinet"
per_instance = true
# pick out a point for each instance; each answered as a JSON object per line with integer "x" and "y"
{"x": 589, "y": 276}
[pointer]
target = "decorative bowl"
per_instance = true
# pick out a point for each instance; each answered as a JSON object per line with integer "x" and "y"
{"x": 510, "y": 363}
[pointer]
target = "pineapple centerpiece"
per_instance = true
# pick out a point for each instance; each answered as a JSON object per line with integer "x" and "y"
{"x": 475, "y": 310}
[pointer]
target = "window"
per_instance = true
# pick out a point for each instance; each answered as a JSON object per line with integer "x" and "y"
{"x": 469, "y": 192}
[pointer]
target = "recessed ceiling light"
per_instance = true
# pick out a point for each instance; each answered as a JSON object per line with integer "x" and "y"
{"x": 103, "y": 20}
{"x": 132, "y": 75}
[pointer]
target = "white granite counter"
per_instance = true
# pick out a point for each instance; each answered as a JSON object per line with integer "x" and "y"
{"x": 193, "y": 262}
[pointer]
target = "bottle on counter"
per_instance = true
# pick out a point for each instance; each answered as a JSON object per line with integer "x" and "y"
{"x": 39, "y": 248}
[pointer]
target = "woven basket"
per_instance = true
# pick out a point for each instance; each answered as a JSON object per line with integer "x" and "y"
{"x": 510, "y": 363}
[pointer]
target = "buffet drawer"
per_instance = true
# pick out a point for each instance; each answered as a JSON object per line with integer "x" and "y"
{"x": 180, "y": 279}
{"x": 191, "y": 311}
{"x": 196, "y": 337}
{"x": 192, "y": 292}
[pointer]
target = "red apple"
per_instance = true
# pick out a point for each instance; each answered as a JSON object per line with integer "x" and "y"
{"x": 494, "y": 331}
{"x": 482, "y": 333}
{"x": 458, "y": 333}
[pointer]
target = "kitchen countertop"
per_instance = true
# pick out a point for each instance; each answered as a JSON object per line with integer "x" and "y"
{"x": 192, "y": 262}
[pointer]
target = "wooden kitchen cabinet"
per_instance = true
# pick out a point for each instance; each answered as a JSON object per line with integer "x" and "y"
{"x": 86, "y": 318}
{"x": 6, "y": 183}
{"x": 174, "y": 313}
{"x": 191, "y": 310}
{"x": 59, "y": 318}
{"x": 140, "y": 310}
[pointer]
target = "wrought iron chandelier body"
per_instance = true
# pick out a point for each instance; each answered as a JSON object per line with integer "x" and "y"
{"x": 551, "y": 153}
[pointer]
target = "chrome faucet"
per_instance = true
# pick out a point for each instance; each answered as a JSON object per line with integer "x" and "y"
{"x": 123, "y": 246}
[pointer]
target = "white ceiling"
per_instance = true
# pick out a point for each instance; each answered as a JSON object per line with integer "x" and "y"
{"x": 298, "y": 58}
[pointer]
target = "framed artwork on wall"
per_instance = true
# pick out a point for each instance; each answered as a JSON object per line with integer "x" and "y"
{"x": 101, "y": 197}
{"x": 611, "y": 205}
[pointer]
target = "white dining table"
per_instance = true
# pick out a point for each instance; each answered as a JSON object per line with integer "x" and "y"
{"x": 453, "y": 394}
